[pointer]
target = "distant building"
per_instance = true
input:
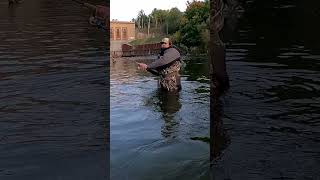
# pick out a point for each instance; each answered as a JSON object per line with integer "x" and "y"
{"x": 122, "y": 30}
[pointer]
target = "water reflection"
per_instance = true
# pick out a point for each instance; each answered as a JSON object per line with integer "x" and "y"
{"x": 219, "y": 140}
{"x": 196, "y": 68}
{"x": 54, "y": 83}
{"x": 167, "y": 103}
{"x": 218, "y": 134}
{"x": 272, "y": 109}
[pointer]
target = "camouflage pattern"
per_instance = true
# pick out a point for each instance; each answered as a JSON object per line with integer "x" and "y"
{"x": 170, "y": 77}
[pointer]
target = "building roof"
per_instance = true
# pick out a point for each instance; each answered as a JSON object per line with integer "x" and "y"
{"x": 121, "y": 22}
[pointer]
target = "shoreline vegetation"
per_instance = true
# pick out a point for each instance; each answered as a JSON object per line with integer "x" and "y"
{"x": 189, "y": 30}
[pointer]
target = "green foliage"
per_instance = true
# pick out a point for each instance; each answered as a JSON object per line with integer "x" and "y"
{"x": 159, "y": 16}
{"x": 189, "y": 29}
{"x": 176, "y": 37}
{"x": 141, "y": 20}
{"x": 146, "y": 41}
{"x": 173, "y": 20}
{"x": 195, "y": 28}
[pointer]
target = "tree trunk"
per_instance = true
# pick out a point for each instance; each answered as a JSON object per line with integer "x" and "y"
{"x": 167, "y": 28}
{"x": 218, "y": 76}
{"x": 142, "y": 23}
{"x": 218, "y": 73}
{"x": 149, "y": 27}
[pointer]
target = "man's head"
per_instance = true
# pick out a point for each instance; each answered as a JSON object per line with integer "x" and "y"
{"x": 165, "y": 43}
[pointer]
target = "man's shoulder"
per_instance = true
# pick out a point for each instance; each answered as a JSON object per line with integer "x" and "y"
{"x": 172, "y": 50}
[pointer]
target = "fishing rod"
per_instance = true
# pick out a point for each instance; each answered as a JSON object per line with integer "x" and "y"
{"x": 152, "y": 71}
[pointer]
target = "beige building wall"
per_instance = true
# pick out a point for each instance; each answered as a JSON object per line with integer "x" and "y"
{"x": 122, "y": 30}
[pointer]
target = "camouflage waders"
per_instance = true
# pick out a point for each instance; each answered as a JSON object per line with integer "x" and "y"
{"x": 170, "y": 77}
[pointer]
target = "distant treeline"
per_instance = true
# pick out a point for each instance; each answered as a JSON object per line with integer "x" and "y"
{"x": 189, "y": 29}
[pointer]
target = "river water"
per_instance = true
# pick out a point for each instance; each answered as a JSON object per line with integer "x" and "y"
{"x": 54, "y": 100}
{"x": 53, "y": 93}
{"x": 151, "y": 132}
{"x": 271, "y": 113}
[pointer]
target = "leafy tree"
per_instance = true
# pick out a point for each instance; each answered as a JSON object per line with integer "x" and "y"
{"x": 172, "y": 20}
{"x": 142, "y": 20}
{"x": 189, "y": 29}
{"x": 195, "y": 28}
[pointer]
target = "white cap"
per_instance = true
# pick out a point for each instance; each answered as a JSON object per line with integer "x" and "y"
{"x": 165, "y": 40}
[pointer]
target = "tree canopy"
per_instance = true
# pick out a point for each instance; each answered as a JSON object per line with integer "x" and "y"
{"x": 189, "y": 28}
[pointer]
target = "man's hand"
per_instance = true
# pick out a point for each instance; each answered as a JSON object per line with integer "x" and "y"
{"x": 142, "y": 66}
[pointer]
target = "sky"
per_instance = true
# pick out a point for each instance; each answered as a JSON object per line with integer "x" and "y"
{"x": 125, "y": 10}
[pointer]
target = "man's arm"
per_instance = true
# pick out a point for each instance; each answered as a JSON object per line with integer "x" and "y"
{"x": 167, "y": 58}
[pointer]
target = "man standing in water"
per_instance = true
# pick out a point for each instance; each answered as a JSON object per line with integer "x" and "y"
{"x": 167, "y": 67}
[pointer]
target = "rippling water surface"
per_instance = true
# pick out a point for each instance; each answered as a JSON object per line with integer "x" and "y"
{"x": 272, "y": 111}
{"x": 53, "y": 76}
{"x": 270, "y": 114}
{"x": 151, "y": 131}
{"x": 53, "y": 100}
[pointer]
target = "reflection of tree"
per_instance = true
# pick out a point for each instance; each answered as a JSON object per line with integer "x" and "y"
{"x": 217, "y": 132}
{"x": 168, "y": 104}
{"x": 196, "y": 67}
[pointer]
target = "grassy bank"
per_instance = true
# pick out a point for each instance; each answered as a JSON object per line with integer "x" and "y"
{"x": 146, "y": 41}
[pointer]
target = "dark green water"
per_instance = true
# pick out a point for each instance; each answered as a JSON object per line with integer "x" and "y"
{"x": 52, "y": 76}
{"x": 271, "y": 112}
